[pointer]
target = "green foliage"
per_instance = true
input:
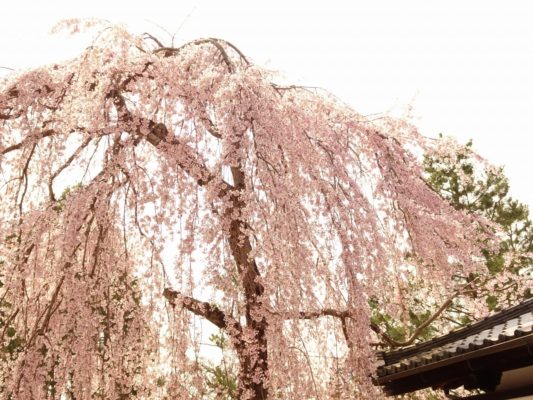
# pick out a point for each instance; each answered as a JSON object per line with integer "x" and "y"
{"x": 419, "y": 318}
{"x": 402, "y": 332}
{"x": 470, "y": 186}
{"x": 11, "y": 343}
{"x": 220, "y": 340}
{"x": 224, "y": 384}
{"x": 60, "y": 203}
{"x": 220, "y": 379}
{"x": 492, "y": 302}
{"x": 394, "y": 330}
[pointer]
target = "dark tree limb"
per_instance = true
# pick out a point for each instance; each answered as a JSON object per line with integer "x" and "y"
{"x": 201, "y": 308}
{"x": 27, "y": 140}
{"x": 172, "y": 51}
{"x": 345, "y": 314}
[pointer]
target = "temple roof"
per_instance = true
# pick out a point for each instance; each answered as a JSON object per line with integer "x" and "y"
{"x": 474, "y": 357}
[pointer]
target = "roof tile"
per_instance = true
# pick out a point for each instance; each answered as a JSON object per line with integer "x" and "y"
{"x": 506, "y": 325}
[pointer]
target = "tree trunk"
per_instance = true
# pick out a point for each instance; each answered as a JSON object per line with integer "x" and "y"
{"x": 253, "y": 359}
{"x": 252, "y": 350}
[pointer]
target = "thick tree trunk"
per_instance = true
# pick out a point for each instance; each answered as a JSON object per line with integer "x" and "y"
{"x": 253, "y": 355}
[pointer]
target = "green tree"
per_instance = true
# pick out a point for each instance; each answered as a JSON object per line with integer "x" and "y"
{"x": 470, "y": 184}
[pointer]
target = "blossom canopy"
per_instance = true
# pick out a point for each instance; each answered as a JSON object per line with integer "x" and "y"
{"x": 276, "y": 213}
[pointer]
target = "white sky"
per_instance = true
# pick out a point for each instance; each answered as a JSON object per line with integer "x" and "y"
{"x": 465, "y": 66}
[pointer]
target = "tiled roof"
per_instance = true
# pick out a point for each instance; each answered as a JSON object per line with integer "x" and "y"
{"x": 502, "y": 327}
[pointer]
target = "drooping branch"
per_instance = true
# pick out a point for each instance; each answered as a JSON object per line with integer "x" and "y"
{"x": 65, "y": 165}
{"x": 344, "y": 314}
{"x": 50, "y": 309}
{"x": 327, "y": 312}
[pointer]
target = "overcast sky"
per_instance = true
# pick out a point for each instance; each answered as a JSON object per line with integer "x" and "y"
{"x": 466, "y": 67}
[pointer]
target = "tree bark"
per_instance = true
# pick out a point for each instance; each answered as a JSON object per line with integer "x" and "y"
{"x": 253, "y": 357}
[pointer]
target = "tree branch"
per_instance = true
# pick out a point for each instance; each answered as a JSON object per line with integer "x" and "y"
{"x": 327, "y": 312}
{"x": 426, "y": 323}
{"x": 203, "y": 309}
{"x": 172, "y": 51}
{"x": 27, "y": 140}
{"x": 343, "y": 314}
{"x": 157, "y": 134}
{"x": 65, "y": 165}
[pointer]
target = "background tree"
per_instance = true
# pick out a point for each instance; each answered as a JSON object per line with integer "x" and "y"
{"x": 276, "y": 213}
{"x": 470, "y": 183}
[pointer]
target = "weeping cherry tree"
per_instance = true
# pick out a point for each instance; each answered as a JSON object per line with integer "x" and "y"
{"x": 148, "y": 189}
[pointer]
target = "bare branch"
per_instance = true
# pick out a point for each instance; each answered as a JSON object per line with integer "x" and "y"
{"x": 152, "y": 37}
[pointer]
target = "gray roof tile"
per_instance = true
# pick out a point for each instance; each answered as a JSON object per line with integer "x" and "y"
{"x": 506, "y": 325}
